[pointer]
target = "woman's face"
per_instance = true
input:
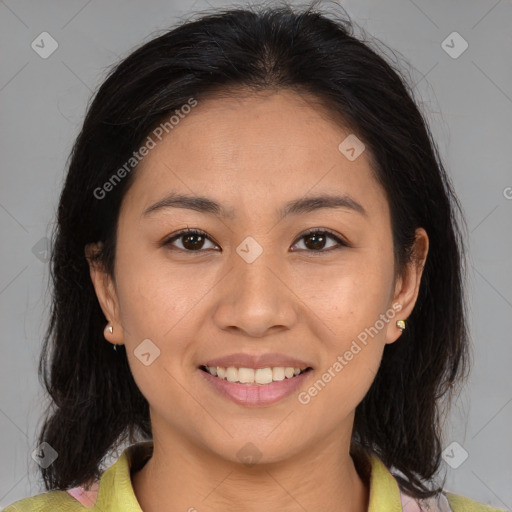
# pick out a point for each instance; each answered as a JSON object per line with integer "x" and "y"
{"x": 256, "y": 285}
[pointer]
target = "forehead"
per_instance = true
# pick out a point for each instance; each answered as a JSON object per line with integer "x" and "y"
{"x": 247, "y": 151}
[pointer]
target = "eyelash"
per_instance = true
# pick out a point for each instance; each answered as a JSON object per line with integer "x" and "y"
{"x": 313, "y": 231}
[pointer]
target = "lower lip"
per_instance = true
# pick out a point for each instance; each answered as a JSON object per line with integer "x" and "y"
{"x": 247, "y": 394}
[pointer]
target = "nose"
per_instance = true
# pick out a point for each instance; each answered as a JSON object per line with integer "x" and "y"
{"x": 256, "y": 297}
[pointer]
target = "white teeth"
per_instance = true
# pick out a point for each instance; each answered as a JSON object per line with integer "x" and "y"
{"x": 288, "y": 372}
{"x": 252, "y": 375}
{"x": 278, "y": 373}
{"x": 246, "y": 375}
{"x": 232, "y": 374}
{"x": 263, "y": 375}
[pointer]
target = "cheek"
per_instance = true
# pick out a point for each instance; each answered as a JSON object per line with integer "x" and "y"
{"x": 154, "y": 292}
{"x": 156, "y": 333}
{"x": 348, "y": 297}
{"x": 158, "y": 301}
{"x": 355, "y": 308}
{"x": 351, "y": 348}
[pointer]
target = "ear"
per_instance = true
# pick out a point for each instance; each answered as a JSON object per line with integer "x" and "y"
{"x": 105, "y": 292}
{"x": 408, "y": 284}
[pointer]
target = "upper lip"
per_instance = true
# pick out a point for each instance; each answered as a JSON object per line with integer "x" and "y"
{"x": 242, "y": 360}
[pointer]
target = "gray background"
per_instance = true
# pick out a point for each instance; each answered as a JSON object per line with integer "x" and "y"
{"x": 467, "y": 100}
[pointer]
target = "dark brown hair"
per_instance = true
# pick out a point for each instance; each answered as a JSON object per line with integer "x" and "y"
{"x": 95, "y": 403}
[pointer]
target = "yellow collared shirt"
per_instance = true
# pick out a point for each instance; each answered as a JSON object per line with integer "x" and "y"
{"x": 114, "y": 492}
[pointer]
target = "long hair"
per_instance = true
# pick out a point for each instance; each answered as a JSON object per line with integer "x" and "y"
{"x": 95, "y": 403}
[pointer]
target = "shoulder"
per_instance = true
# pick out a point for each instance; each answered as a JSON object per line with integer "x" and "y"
{"x": 385, "y": 489}
{"x": 51, "y": 501}
{"x": 460, "y": 503}
{"x": 113, "y": 491}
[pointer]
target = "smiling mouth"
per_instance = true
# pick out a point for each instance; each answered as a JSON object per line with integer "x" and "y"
{"x": 254, "y": 376}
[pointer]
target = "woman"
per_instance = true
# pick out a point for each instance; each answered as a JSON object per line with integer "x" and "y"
{"x": 257, "y": 221}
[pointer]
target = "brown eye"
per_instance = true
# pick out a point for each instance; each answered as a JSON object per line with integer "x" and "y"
{"x": 316, "y": 240}
{"x": 192, "y": 240}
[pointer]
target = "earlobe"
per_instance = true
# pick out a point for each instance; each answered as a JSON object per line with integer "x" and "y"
{"x": 408, "y": 285}
{"x": 105, "y": 290}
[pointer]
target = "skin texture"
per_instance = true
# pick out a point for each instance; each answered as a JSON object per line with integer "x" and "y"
{"x": 252, "y": 153}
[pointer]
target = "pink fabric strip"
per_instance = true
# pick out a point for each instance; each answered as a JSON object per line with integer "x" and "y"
{"x": 439, "y": 504}
{"x": 86, "y": 498}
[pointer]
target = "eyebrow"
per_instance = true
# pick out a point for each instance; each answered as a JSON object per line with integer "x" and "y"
{"x": 295, "y": 207}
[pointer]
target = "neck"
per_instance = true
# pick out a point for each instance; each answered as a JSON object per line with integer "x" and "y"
{"x": 187, "y": 478}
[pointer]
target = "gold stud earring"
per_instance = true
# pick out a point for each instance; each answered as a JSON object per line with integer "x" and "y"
{"x": 110, "y": 329}
{"x": 400, "y": 324}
